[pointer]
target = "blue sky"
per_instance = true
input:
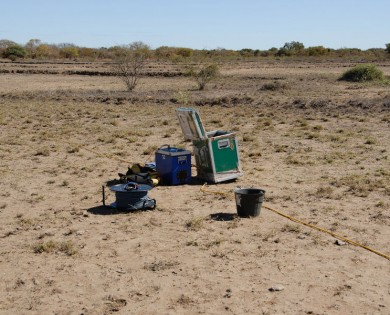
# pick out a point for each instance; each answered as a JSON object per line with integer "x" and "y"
{"x": 199, "y": 24}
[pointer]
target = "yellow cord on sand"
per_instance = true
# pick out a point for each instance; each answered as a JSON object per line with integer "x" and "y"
{"x": 203, "y": 189}
{"x": 109, "y": 156}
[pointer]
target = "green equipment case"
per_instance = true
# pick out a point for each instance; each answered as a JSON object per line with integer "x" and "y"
{"x": 216, "y": 152}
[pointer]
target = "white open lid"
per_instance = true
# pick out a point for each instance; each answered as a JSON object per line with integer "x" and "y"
{"x": 191, "y": 124}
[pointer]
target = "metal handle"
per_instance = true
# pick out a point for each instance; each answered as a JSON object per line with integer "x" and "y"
{"x": 165, "y": 145}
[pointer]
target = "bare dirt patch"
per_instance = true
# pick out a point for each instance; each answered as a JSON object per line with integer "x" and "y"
{"x": 319, "y": 147}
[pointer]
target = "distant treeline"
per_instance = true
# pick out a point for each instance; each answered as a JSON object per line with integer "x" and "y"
{"x": 36, "y": 49}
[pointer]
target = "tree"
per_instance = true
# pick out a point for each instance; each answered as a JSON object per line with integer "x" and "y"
{"x": 204, "y": 75}
{"x": 294, "y": 46}
{"x": 164, "y": 52}
{"x": 184, "y": 52}
{"x": 128, "y": 67}
{"x": 69, "y": 51}
{"x": 291, "y": 48}
{"x": 247, "y": 52}
{"x": 14, "y": 52}
{"x": 388, "y": 48}
{"x": 32, "y": 46}
{"x": 47, "y": 51}
{"x": 4, "y": 44}
{"x": 85, "y": 52}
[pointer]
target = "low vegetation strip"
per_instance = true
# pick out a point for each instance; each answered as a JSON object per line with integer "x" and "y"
{"x": 90, "y": 73}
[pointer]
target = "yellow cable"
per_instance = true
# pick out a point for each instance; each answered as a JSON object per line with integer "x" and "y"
{"x": 109, "y": 156}
{"x": 203, "y": 189}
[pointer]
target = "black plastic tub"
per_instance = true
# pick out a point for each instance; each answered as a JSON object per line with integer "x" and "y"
{"x": 249, "y": 201}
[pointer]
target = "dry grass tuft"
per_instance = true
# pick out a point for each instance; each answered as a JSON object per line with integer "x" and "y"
{"x": 66, "y": 247}
{"x": 195, "y": 224}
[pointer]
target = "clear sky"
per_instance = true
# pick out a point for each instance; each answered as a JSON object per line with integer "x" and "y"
{"x": 199, "y": 24}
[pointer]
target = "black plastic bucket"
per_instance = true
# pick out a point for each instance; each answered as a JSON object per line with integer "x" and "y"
{"x": 248, "y": 201}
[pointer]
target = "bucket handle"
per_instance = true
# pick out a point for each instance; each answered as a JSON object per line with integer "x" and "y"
{"x": 165, "y": 145}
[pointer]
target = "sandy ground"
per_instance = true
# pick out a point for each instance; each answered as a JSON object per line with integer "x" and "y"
{"x": 319, "y": 147}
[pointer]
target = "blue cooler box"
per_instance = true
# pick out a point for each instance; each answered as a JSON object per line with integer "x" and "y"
{"x": 173, "y": 165}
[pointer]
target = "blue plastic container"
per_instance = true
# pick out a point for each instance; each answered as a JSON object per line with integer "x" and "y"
{"x": 173, "y": 165}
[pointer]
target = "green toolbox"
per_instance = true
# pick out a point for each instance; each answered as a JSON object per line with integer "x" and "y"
{"x": 216, "y": 152}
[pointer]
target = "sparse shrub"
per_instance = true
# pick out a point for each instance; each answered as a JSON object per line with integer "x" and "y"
{"x": 69, "y": 52}
{"x": 192, "y": 243}
{"x": 317, "y": 127}
{"x": 43, "y": 152}
{"x": 319, "y": 103}
{"x": 160, "y": 265}
{"x": 129, "y": 65}
{"x": 265, "y": 123}
{"x": 290, "y": 159}
{"x": 363, "y": 73}
{"x": 303, "y": 123}
{"x": 185, "y": 300}
{"x": 184, "y": 52}
{"x": 65, "y": 183}
{"x": 370, "y": 141}
{"x": 380, "y": 204}
{"x": 361, "y": 185}
{"x": 195, "y": 224}
{"x": 181, "y": 97}
{"x": 324, "y": 192}
{"x": 51, "y": 246}
{"x": 248, "y": 138}
{"x": 255, "y": 153}
{"x": 44, "y": 247}
{"x": 317, "y": 51}
{"x": 273, "y": 86}
{"x": 204, "y": 75}
{"x": 73, "y": 149}
{"x": 107, "y": 138}
{"x": 216, "y": 242}
{"x": 67, "y": 248}
{"x": 292, "y": 228}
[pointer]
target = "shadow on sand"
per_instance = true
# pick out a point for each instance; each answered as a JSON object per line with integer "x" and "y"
{"x": 222, "y": 216}
{"x": 106, "y": 210}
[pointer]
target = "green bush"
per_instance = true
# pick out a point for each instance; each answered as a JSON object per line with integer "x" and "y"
{"x": 69, "y": 52}
{"x": 317, "y": 51}
{"x": 15, "y": 51}
{"x": 363, "y": 73}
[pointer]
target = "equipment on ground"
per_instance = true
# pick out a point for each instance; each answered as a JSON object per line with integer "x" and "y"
{"x": 173, "y": 165}
{"x": 216, "y": 152}
{"x": 131, "y": 196}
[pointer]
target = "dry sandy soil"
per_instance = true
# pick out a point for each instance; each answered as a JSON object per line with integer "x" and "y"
{"x": 319, "y": 147}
